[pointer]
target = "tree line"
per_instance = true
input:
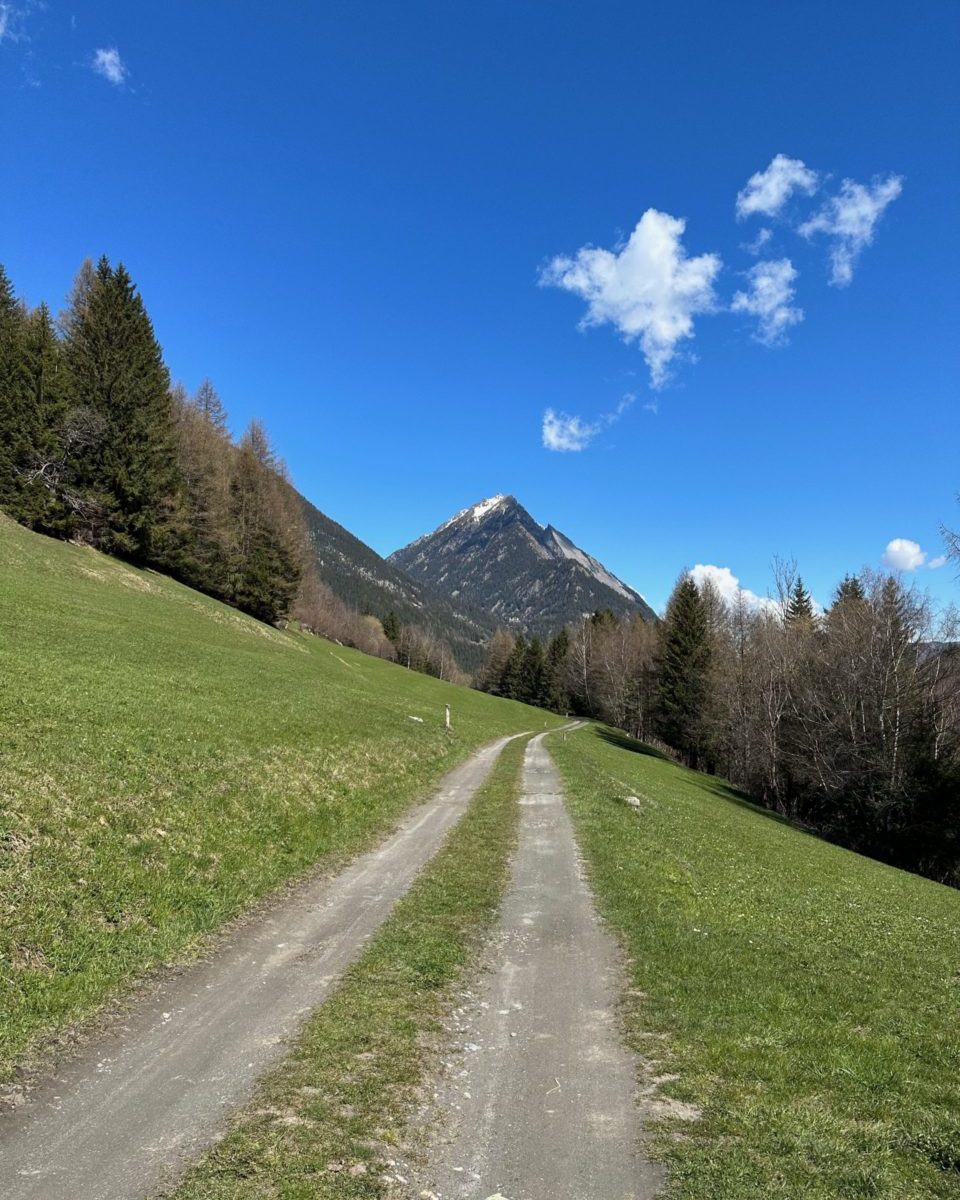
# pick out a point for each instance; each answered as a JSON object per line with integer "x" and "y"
{"x": 98, "y": 447}
{"x": 846, "y": 721}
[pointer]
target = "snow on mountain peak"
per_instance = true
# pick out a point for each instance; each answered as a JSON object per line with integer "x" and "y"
{"x": 474, "y": 513}
{"x": 479, "y": 511}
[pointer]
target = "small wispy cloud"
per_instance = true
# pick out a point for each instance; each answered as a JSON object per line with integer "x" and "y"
{"x": 648, "y": 288}
{"x": 108, "y": 63}
{"x": 768, "y": 191}
{"x": 13, "y": 19}
{"x": 565, "y": 433}
{"x": 849, "y": 219}
{"x": 758, "y": 242}
{"x": 936, "y": 563}
{"x": 768, "y": 299}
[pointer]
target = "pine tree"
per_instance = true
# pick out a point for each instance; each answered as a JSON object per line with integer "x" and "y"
{"x": 682, "y": 693}
{"x": 115, "y": 368}
{"x": 800, "y": 605}
{"x": 14, "y": 401}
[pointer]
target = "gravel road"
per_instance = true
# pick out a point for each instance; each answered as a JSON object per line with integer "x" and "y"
{"x": 130, "y": 1112}
{"x": 542, "y": 1103}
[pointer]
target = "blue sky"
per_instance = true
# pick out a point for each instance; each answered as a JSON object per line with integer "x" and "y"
{"x": 380, "y": 227}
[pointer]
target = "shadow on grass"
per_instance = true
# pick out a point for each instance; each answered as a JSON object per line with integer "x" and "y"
{"x": 709, "y": 783}
{"x": 623, "y": 741}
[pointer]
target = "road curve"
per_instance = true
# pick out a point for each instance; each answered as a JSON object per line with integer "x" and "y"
{"x": 129, "y": 1114}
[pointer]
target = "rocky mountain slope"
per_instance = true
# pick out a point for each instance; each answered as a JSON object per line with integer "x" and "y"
{"x": 494, "y": 555}
{"x": 370, "y": 583}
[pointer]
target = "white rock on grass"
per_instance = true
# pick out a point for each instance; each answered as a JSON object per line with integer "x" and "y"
{"x": 633, "y": 801}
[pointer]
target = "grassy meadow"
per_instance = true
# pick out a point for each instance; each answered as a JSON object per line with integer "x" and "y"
{"x": 805, "y": 1000}
{"x": 165, "y": 762}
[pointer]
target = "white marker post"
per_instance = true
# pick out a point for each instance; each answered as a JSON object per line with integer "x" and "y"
{"x": 446, "y": 719}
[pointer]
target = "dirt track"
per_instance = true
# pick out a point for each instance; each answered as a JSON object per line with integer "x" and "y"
{"x": 130, "y": 1113}
{"x": 542, "y": 1105}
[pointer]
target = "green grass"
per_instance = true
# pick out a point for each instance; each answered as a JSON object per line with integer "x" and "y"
{"x": 165, "y": 762}
{"x": 807, "y": 999}
{"x": 321, "y": 1125}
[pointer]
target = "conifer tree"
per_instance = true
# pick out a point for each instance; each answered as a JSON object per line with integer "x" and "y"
{"x": 208, "y": 404}
{"x": 42, "y": 504}
{"x": 800, "y": 605}
{"x": 391, "y": 627}
{"x": 533, "y": 674}
{"x": 511, "y": 683}
{"x": 849, "y": 589}
{"x": 115, "y": 368}
{"x": 557, "y": 696}
{"x": 266, "y": 569}
{"x": 682, "y": 693}
{"x": 206, "y": 456}
{"x": 14, "y": 400}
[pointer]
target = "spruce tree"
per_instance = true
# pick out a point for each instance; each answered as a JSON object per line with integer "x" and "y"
{"x": 800, "y": 605}
{"x": 511, "y": 682}
{"x": 42, "y": 502}
{"x": 14, "y": 402}
{"x": 115, "y": 368}
{"x": 557, "y": 694}
{"x": 682, "y": 693}
{"x": 533, "y": 675}
{"x": 849, "y": 589}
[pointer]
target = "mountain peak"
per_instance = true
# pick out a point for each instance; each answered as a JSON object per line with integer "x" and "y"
{"x": 482, "y": 509}
{"x": 527, "y": 575}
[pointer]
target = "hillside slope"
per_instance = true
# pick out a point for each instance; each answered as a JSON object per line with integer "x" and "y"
{"x": 527, "y": 575}
{"x": 804, "y": 1001}
{"x": 165, "y": 761}
{"x": 358, "y": 575}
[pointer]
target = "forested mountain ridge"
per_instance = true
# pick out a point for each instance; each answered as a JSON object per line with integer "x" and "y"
{"x": 361, "y": 578}
{"x": 529, "y": 576}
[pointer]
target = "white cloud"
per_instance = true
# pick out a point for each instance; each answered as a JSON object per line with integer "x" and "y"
{"x": 728, "y": 585}
{"x": 109, "y": 64}
{"x": 768, "y": 191}
{"x": 648, "y": 289}
{"x": 850, "y": 218}
{"x": 758, "y": 242}
{"x": 771, "y": 290}
{"x": 903, "y": 555}
{"x": 564, "y": 432}
{"x": 936, "y": 563}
